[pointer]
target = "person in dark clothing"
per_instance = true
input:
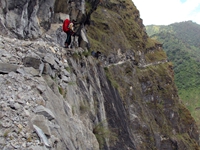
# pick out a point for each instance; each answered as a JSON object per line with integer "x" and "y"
{"x": 69, "y": 30}
{"x": 96, "y": 54}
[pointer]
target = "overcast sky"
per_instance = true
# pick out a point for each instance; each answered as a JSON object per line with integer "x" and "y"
{"x": 165, "y": 12}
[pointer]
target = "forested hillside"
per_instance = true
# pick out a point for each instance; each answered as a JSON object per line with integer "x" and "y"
{"x": 181, "y": 41}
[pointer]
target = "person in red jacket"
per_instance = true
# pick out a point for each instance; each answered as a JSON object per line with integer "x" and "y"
{"x": 68, "y": 29}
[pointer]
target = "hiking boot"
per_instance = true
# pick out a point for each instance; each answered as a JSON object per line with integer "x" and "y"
{"x": 66, "y": 45}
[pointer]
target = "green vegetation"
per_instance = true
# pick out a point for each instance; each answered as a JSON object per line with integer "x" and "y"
{"x": 79, "y": 55}
{"x": 113, "y": 27}
{"x": 73, "y": 110}
{"x": 68, "y": 69}
{"x": 72, "y": 83}
{"x": 62, "y": 91}
{"x": 155, "y": 56}
{"x": 160, "y": 79}
{"x": 181, "y": 43}
{"x": 6, "y": 133}
{"x": 84, "y": 107}
{"x": 86, "y": 53}
{"x": 163, "y": 73}
{"x": 102, "y": 133}
{"x": 185, "y": 115}
{"x": 76, "y": 56}
{"x": 188, "y": 142}
{"x": 109, "y": 76}
{"x": 191, "y": 98}
{"x": 29, "y": 139}
{"x": 60, "y": 6}
{"x": 151, "y": 43}
{"x": 88, "y": 6}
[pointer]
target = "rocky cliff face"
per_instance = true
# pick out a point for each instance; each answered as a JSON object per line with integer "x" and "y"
{"x": 65, "y": 99}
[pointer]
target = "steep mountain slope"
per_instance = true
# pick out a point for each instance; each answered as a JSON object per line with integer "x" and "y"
{"x": 181, "y": 43}
{"x": 186, "y": 32}
{"x": 65, "y": 99}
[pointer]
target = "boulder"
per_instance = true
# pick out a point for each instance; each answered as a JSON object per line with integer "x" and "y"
{"x": 6, "y": 68}
{"x": 45, "y": 112}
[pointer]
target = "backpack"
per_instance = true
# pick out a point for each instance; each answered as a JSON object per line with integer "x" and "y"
{"x": 66, "y": 25}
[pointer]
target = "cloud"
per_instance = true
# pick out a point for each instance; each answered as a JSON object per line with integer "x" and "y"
{"x": 168, "y": 11}
{"x": 183, "y": 1}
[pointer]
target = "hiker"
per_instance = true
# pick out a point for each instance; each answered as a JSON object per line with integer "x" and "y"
{"x": 68, "y": 28}
{"x": 96, "y": 54}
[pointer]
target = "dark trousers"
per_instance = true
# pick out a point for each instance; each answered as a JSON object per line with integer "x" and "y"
{"x": 68, "y": 40}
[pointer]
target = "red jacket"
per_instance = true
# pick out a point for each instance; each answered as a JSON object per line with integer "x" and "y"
{"x": 65, "y": 25}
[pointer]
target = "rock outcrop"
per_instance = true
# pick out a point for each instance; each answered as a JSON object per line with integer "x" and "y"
{"x": 66, "y": 99}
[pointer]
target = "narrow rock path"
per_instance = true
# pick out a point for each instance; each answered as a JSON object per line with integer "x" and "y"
{"x": 140, "y": 66}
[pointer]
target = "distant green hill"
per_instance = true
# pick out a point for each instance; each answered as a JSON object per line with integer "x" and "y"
{"x": 181, "y": 41}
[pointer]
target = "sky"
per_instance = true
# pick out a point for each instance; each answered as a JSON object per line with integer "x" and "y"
{"x": 165, "y": 12}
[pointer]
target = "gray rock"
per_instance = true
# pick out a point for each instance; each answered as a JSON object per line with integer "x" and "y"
{"x": 58, "y": 61}
{"x": 1, "y": 114}
{"x": 54, "y": 140}
{"x": 4, "y": 60}
{"x": 26, "y": 113}
{"x": 30, "y": 22}
{"x": 62, "y": 16}
{"x": 11, "y": 102}
{"x": 47, "y": 69}
{"x": 21, "y": 71}
{"x": 31, "y": 62}
{"x": 6, "y": 68}
{"x": 15, "y": 145}
{"x": 45, "y": 112}
{"x": 7, "y": 123}
{"x": 2, "y": 140}
{"x": 41, "y": 88}
{"x": 65, "y": 79}
{"x": 84, "y": 37}
{"x": 65, "y": 72}
{"x": 38, "y": 148}
{"x": 5, "y": 54}
{"x": 41, "y": 68}
{"x": 41, "y": 122}
{"x": 31, "y": 71}
{"x": 92, "y": 101}
{"x": 8, "y": 147}
{"x": 42, "y": 136}
{"x": 49, "y": 58}
{"x": 67, "y": 108}
{"x": 14, "y": 105}
{"x": 17, "y": 106}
